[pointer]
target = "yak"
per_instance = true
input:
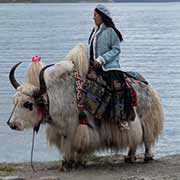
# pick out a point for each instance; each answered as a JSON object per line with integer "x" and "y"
{"x": 49, "y": 96}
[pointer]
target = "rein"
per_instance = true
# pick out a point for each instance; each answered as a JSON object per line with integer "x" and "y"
{"x": 43, "y": 110}
{"x": 32, "y": 149}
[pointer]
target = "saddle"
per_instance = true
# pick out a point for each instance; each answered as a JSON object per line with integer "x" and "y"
{"x": 104, "y": 102}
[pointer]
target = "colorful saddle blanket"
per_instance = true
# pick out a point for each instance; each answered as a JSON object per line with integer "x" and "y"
{"x": 135, "y": 75}
{"x": 99, "y": 99}
{"x": 96, "y": 94}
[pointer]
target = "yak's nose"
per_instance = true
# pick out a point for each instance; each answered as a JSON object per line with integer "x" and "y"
{"x": 16, "y": 125}
{"x": 8, "y": 123}
{"x": 12, "y": 125}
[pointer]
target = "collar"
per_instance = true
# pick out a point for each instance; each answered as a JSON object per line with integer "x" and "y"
{"x": 97, "y": 29}
{"x": 100, "y": 27}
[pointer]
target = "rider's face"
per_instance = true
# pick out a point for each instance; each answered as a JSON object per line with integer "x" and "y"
{"x": 97, "y": 19}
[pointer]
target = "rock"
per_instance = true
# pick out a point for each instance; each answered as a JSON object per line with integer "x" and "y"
{"x": 50, "y": 178}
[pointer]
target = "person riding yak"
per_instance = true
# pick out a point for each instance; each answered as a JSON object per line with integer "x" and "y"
{"x": 106, "y": 93}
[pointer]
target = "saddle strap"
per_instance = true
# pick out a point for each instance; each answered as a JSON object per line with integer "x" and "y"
{"x": 133, "y": 93}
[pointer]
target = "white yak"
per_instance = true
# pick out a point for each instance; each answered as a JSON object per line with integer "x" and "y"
{"x": 51, "y": 97}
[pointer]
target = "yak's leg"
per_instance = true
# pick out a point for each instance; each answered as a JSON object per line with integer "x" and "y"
{"x": 56, "y": 139}
{"x": 80, "y": 160}
{"x": 68, "y": 155}
{"x": 62, "y": 143}
{"x": 131, "y": 157}
{"x": 148, "y": 152}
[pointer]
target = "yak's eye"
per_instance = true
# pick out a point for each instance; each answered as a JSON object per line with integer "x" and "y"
{"x": 28, "y": 105}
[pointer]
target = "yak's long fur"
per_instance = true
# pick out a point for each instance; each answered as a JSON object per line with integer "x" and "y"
{"x": 32, "y": 73}
{"x": 74, "y": 140}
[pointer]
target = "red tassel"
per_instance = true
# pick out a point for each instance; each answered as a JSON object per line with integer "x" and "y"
{"x": 83, "y": 121}
{"x": 134, "y": 97}
{"x": 36, "y": 59}
{"x": 133, "y": 93}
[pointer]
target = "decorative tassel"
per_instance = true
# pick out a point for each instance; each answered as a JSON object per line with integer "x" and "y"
{"x": 134, "y": 97}
{"x": 133, "y": 93}
{"x": 82, "y": 138}
{"x": 83, "y": 117}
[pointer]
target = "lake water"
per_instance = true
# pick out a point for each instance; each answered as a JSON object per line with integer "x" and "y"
{"x": 151, "y": 46}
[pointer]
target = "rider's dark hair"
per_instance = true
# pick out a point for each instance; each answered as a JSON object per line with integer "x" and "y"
{"x": 109, "y": 23}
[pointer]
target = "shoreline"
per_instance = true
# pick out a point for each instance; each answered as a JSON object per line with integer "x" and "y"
{"x": 99, "y": 168}
{"x": 68, "y": 2}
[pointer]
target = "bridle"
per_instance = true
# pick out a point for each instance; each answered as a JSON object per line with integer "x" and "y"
{"x": 8, "y": 122}
{"x": 42, "y": 106}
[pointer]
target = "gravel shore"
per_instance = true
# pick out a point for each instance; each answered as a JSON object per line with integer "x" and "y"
{"x": 97, "y": 168}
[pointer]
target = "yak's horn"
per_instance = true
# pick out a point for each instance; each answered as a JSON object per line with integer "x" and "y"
{"x": 42, "y": 83}
{"x": 11, "y": 76}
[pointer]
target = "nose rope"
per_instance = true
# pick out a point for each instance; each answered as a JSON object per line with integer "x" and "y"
{"x": 36, "y": 129}
{"x": 32, "y": 149}
{"x": 8, "y": 122}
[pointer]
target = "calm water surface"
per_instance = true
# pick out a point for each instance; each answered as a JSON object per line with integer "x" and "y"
{"x": 151, "y": 46}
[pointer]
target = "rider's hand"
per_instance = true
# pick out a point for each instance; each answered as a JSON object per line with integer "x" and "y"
{"x": 96, "y": 64}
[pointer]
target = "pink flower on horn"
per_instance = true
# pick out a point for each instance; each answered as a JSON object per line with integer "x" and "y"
{"x": 36, "y": 59}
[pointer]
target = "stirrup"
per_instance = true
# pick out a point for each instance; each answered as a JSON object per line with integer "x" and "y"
{"x": 124, "y": 125}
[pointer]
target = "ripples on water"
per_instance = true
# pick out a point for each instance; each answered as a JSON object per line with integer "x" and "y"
{"x": 151, "y": 46}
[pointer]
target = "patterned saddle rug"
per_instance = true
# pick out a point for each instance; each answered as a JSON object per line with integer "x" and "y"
{"x": 100, "y": 99}
{"x": 135, "y": 75}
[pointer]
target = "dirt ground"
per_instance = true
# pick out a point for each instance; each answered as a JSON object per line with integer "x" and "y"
{"x": 97, "y": 168}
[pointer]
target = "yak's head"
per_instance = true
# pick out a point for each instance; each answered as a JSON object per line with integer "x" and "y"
{"x": 29, "y": 102}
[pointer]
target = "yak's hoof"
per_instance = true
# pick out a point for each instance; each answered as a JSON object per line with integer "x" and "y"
{"x": 80, "y": 164}
{"x": 129, "y": 159}
{"x": 61, "y": 168}
{"x": 67, "y": 165}
{"x": 148, "y": 159}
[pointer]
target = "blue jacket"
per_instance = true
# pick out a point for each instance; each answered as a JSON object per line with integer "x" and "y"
{"x": 106, "y": 47}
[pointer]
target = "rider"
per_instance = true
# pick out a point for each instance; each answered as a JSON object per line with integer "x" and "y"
{"x": 104, "y": 53}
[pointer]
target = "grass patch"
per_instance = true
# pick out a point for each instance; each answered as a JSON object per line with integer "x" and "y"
{"x": 96, "y": 158}
{"x": 7, "y": 167}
